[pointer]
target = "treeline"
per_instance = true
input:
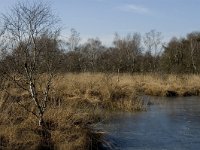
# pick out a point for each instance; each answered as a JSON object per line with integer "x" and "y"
{"x": 132, "y": 53}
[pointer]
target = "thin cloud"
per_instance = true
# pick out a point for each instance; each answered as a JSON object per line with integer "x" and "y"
{"x": 134, "y": 9}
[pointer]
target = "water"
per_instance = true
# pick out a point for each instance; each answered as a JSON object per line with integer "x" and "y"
{"x": 168, "y": 124}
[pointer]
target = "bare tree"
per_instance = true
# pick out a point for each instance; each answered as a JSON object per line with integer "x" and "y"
{"x": 129, "y": 48}
{"x": 28, "y": 30}
{"x": 91, "y": 50}
{"x": 73, "y": 40}
{"x": 153, "y": 43}
{"x": 194, "y": 44}
{"x": 172, "y": 60}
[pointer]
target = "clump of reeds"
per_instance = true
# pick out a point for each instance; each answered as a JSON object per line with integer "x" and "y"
{"x": 170, "y": 85}
{"x": 100, "y": 90}
{"x": 66, "y": 127}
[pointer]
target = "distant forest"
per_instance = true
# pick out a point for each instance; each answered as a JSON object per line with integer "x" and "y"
{"x": 132, "y": 53}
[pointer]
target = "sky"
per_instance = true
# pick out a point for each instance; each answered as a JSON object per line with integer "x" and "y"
{"x": 103, "y": 18}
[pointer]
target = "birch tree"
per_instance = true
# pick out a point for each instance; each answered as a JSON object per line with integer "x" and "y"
{"x": 29, "y": 29}
{"x": 153, "y": 44}
{"x": 73, "y": 40}
{"x": 194, "y": 45}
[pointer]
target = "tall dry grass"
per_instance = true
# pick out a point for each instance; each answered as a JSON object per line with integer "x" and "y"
{"x": 68, "y": 127}
{"x": 169, "y": 85}
{"x": 100, "y": 86}
{"x": 78, "y": 100}
{"x": 75, "y": 102}
{"x": 100, "y": 90}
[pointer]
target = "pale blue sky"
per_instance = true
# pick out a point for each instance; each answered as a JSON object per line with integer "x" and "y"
{"x": 102, "y": 18}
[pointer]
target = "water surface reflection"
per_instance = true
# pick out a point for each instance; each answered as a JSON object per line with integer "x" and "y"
{"x": 171, "y": 123}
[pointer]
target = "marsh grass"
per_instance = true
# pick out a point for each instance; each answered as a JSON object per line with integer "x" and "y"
{"x": 100, "y": 86}
{"x": 78, "y": 100}
{"x": 68, "y": 128}
{"x": 163, "y": 85}
{"x": 99, "y": 90}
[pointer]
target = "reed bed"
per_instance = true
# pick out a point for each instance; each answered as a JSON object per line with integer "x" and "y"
{"x": 77, "y": 101}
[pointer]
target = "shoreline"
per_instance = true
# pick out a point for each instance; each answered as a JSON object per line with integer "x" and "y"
{"x": 79, "y": 100}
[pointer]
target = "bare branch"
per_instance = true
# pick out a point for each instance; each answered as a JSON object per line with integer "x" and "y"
{"x": 23, "y": 106}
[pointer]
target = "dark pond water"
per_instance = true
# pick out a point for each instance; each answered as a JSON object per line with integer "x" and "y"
{"x": 168, "y": 124}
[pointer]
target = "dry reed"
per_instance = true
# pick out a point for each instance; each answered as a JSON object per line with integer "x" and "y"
{"x": 78, "y": 100}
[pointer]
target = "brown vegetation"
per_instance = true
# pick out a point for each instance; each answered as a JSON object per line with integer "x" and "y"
{"x": 75, "y": 102}
{"x": 67, "y": 127}
{"x": 170, "y": 85}
{"x": 114, "y": 87}
{"x": 79, "y": 100}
